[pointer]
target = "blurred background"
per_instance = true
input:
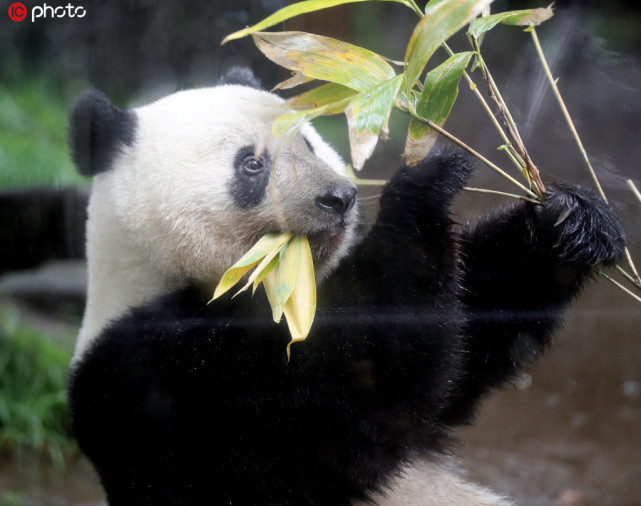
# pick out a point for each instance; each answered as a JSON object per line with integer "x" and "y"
{"x": 569, "y": 433}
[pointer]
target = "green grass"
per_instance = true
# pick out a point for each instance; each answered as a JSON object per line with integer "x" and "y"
{"x": 33, "y": 126}
{"x": 10, "y": 498}
{"x": 33, "y": 379}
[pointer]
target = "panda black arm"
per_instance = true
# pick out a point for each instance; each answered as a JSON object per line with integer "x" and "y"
{"x": 410, "y": 256}
{"x": 523, "y": 265}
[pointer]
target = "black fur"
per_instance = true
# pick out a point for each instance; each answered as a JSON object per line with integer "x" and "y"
{"x": 241, "y": 75}
{"x": 97, "y": 129}
{"x": 180, "y": 403}
{"x": 523, "y": 265}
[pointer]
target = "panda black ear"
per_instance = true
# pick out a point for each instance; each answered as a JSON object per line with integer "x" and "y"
{"x": 96, "y": 130}
{"x": 241, "y": 75}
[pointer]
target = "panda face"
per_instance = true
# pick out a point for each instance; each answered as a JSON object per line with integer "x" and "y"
{"x": 204, "y": 178}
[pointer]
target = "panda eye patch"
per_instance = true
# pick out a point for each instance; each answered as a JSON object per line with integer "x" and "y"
{"x": 250, "y": 177}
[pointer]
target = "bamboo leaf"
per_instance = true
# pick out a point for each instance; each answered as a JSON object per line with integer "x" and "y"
{"x": 281, "y": 281}
{"x": 262, "y": 269}
{"x": 288, "y": 123}
{"x": 294, "y": 10}
{"x": 297, "y": 79}
{"x": 234, "y": 274}
{"x": 325, "y": 58}
{"x": 368, "y": 114}
{"x": 527, "y": 17}
{"x": 292, "y": 121}
{"x": 261, "y": 277}
{"x": 442, "y": 19}
{"x": 301, "y": 306}
{"x": 435, "y": 103}
{"x": 325, "y": 94}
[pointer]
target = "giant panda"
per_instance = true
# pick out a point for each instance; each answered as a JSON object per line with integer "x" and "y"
{"x": 177, "y": 402}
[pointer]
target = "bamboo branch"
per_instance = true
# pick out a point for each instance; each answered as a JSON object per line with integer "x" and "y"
{"x": 503, "y": 194}
{"x": 619, "y": 285}
{"x": 488, "y": 110}
{"x": 565, "y": 111}
{"x": 530, "y": 170}
{"x": 570, "y": 123}
{"x": 634, "y": 189}
{"x": 474, "y": 153}
{"x": 627, "y": 276}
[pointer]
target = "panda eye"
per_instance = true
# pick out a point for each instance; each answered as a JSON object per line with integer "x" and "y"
{"x": 252, "y": 165}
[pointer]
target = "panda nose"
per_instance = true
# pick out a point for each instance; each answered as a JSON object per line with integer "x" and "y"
{"x": 339, "y": 200}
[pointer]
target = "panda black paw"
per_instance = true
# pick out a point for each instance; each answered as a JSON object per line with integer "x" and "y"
{"x": 582, "y": 228}
{"x": 438, "y": 177}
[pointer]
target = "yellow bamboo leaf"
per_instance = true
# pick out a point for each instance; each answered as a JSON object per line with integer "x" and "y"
{"x": 325, "y": 58}
{"x": 301, "y": 305}
{"x": 261, "y": 277}
{"x": 289, "y": 123}
{"x": 296, "y": 79}
{"x": 281, "y": 281}
{"x": 235, "y": 273}
{"x": 321, "y": 96}
{"x": 262, "y": 269}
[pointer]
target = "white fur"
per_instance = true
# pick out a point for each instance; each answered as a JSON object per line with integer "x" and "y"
{"x": 436, "y": 482}
{"x": 162, "y": 214}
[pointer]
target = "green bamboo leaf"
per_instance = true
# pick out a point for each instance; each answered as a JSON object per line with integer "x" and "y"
{"x": 325, "y": 58}
{"x": 368, "y": 114}
{"x": 443, "y": 18}
{"x": 325, "y": 94}
{"x": 281, "y": 281}
{"x": 435, "y": 103}
{"x": 326, "y": 99}
{"x": 294, "y": 10}
{"x": 479, "y": 26}
{"x": 263, "y": 247}
{"x": 289, "y": 123}
{"x": 301, "y": 306}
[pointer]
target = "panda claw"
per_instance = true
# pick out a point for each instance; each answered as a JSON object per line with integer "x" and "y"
{"x": 564, "y": 216}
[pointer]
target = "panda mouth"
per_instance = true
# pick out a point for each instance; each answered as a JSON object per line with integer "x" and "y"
{"x": 325, "y": 243}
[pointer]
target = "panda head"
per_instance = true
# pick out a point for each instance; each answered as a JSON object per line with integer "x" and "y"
{"x": 197, "y": 177}
{"x": 184, "y": 186}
